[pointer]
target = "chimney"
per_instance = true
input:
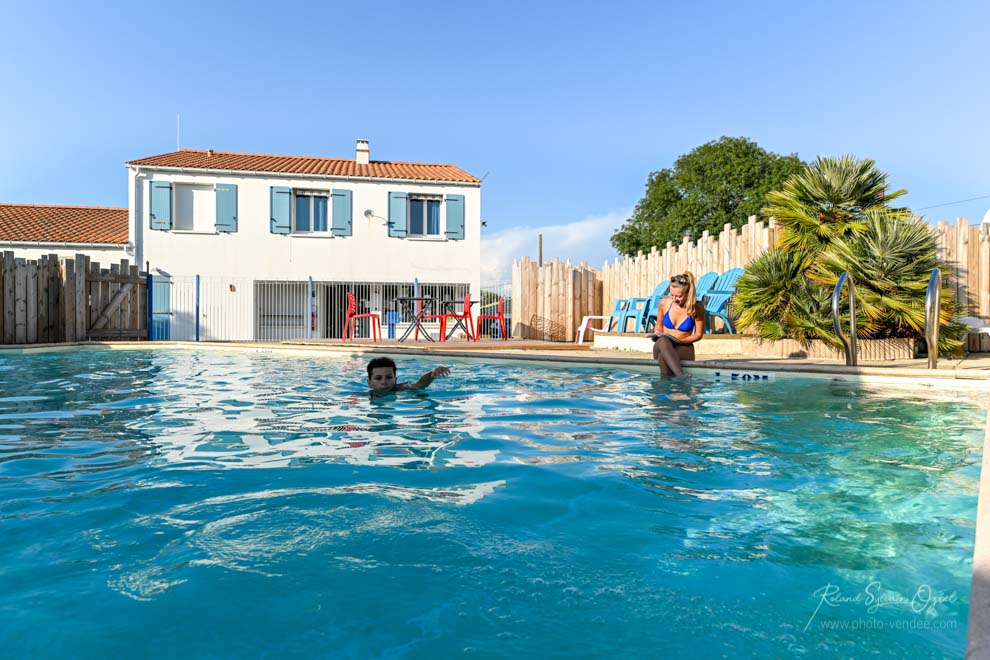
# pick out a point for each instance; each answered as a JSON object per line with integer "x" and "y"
{"x": 362, "y": 154}
{"x": 209, "y": 152}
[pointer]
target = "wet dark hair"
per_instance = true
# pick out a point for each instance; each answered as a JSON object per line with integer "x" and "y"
{"x": 381, "y": 362}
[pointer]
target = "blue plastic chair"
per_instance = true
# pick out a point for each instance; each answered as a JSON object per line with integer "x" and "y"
{"x": 651, "y": 305}
{"x": 701, "y": 289}
{"x": 717, "y": 303}
{"x": 639, "y": 306}
{"x": 704, "y": 285}
{"x": 621, "y": 313}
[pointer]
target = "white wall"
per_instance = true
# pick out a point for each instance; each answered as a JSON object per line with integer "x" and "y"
{"x": 111, "y": 254}
{"x": 254, "y": 252}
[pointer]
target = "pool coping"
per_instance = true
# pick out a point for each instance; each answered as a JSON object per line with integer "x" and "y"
{"x": 956, "y": 374}
{"x": 978, "y": 637}
{"x": 978, "y": 633}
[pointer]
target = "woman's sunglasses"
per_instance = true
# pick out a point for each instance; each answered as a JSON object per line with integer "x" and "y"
{"x": 679, "y": 279}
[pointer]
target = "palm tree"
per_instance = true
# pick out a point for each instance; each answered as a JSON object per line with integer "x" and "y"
{"x": 891, "y": 261}
{"x": 777, "y": 301}
{"x": 836, "y": 216}
{"x": 828, "y": 201}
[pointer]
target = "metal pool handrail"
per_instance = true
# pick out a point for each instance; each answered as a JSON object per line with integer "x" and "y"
{"x": 848, "y": 344}
{"x": 933, "y": 303}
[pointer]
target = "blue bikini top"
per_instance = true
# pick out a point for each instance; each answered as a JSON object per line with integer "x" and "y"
{"x": 687, "y": 325}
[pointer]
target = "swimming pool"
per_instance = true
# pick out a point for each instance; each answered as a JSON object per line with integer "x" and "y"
{"x": 206, "y": 503}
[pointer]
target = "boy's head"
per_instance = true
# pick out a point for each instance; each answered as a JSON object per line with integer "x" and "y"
{"x": 381, "y": 373}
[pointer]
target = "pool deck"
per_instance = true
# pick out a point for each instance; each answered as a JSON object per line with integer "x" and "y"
{"x": 971, "y": 367}
{"x": 971, "y": 371}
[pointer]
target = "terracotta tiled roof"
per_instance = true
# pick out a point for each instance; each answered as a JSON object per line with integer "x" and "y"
{"x": 377, "y": 169}
{"x": 41, "y": 223}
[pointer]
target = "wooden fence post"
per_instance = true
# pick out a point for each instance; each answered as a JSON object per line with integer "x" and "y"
{"x": 9, "y": 304}
{"x": 31, "y": 302}
{"x": 20, "y": 301}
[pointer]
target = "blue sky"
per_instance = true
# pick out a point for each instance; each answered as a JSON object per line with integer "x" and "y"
{"x": 566, "y": 107}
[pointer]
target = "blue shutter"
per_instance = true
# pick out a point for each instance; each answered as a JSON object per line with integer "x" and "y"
{"x": 161, "y": 308}
{"x": 226, "y": 207}
{"x": 341, "y": 212}
{"x": 455, "y": 216}
{"x": 161, "y": 205}
{"x": 397, "y": 214}
{"x": 281, "y": 210}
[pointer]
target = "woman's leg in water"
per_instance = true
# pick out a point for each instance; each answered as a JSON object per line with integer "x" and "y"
{"x": 669, "y": 356}
{"x": 658, "y": 355}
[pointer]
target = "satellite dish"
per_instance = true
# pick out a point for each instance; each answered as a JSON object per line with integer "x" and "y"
{"x": 369, "y": 214}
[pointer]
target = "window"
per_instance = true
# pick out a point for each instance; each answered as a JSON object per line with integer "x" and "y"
{"x": 195, "y": 208}
{"x": 424, "y": 216}
{"x": 310, "y": 212}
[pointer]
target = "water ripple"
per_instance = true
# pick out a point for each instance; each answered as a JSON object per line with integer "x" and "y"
{"x": 504, "y": 505}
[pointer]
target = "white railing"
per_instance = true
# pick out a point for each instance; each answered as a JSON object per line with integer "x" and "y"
{"x": 490, "y": 293}
{"x": 238, "y": 309}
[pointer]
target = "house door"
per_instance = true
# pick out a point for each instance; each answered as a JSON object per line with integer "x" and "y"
{"x": 161, "y": 308}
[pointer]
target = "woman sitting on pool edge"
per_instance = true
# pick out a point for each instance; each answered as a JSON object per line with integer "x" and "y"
{"x": 680, "y": 326}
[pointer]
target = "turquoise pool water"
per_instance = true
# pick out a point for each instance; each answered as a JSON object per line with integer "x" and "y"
{"x": 218, "y": 504}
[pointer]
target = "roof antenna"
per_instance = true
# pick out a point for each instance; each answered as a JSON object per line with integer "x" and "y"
{"x": 178, "y": 124}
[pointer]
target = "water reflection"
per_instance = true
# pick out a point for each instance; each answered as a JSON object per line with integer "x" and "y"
{"x": 265, "y": 531}
{"x": 794, "y": 471}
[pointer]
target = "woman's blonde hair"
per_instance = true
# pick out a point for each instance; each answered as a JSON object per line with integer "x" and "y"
{"x": 690, "y": 295}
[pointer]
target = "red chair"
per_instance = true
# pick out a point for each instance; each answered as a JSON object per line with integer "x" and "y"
{"x": 352, "y": 315}
{"x": 500, "y": 317}
{"x": 464, "y": 316}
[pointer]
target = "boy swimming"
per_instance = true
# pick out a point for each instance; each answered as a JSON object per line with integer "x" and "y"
{"x": 382, "y": 374}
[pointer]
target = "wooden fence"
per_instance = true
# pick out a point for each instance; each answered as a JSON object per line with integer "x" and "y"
{"x": 53, "y": 300}
{"x": 549, "y": 301}
{"x": 551, "y": 307}
{"x": 966, "y": 248}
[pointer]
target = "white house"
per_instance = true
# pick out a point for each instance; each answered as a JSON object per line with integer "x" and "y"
{"x": 256, "y": 229}
{"x": 34, "y": 230}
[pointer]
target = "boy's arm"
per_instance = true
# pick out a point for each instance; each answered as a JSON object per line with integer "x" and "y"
{"x": 427, "y": 378}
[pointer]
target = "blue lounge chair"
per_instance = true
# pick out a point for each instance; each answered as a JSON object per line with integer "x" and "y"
{"x": 704, "y": 285}
{"x": 717, "y": 303}
{"x": 643, "y": 307}
{"x": 701, "y": 289}
{"x": 649, "y": 312}
{"x": 620, "y": 314}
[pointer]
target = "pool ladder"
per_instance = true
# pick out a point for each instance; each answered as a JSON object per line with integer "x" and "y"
{"x": 849, "y": 345}
{"x": 933, "y": 303}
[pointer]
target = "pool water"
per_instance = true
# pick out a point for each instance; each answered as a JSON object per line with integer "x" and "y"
{"x": 179, "y": 503}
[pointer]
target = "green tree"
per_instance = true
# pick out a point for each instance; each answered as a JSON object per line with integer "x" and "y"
{"x": 721, "y": 182}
